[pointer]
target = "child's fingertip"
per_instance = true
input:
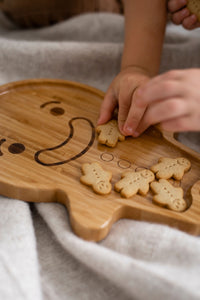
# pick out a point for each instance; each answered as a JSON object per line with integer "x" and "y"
{"x": 135, "y": 134}
{"x": 99, "y": 121}
{"x": 103, "y": 119}
{"x": 128, "y": 130}
{"x": 193, "y": 17}
{"x": 138, "y": 92}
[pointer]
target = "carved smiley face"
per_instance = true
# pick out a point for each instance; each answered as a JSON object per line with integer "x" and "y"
{"x": 52, "y": 113}
{"x": 39, "y": 156}
{"x": 45, "y": 132}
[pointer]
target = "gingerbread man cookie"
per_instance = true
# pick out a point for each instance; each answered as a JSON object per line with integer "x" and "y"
{"x": 134, "y": 182}
{"x": 170, "y": 167}
{"x": 168, "y": 195}
{"x": 95, "y": 176}
{"x": 109, "y": 133}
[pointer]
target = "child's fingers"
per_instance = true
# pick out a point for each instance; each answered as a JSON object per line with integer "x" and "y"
{"x": 133, "y": 119}
{"x": 125, "y": 98}
{"x": 154, "y": 90}
{"x": 108, "y": 105}
{"x": 122, "y": 115}
{"x": 179, "y": 124}
{"x": 175, "y": 5}
{"x": 190, "y": 22}
{"x": 162, "y": 111}
{"x": 158, "y": 89}
{"x": 179, "y": 16}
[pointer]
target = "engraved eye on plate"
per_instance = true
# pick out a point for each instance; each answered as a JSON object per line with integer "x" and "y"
{"x": 14, "y": 148}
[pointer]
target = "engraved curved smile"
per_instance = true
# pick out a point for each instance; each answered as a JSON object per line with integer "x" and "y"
{"x": 52, "y": 156}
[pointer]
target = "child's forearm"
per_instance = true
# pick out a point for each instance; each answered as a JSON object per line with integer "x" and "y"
{"x": 145, "y": 23}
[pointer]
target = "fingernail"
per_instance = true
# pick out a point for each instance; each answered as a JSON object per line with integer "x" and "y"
{"x": 128, "y": 130}
{"x": 193, "y": 17}
{"x": 135, "y": 134}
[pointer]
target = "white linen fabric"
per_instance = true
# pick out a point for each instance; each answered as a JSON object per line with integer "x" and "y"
{"x": 40, "y": 257}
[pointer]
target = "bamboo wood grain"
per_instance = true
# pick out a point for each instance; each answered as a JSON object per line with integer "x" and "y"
{"x": 47, "y": 131}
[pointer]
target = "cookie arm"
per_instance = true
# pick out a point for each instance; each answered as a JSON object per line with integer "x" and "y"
{"x": 119, "y": 185}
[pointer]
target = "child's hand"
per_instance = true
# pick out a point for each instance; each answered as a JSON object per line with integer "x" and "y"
{"x": 181, "y": 14}
{"x": 121, "y": 94}
{"x": 171, "y": 99}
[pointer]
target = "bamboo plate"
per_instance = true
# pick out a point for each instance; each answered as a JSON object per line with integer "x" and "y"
{"x": 47, "y": 132}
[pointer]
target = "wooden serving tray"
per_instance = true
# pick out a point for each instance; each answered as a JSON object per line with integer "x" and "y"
{"x": 47, "y": 131}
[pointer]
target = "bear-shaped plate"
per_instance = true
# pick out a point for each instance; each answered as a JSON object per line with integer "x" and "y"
{"x": 47, "y": 132}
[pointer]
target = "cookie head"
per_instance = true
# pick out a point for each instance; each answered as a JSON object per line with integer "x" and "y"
{"x": 177, "y": 204}
{"x": 147, "y": 174}
{"x": 184, "y": 162}
{"x": 102, "y": 187}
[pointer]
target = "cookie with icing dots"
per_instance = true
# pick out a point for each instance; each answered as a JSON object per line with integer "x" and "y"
{"x": 109, "y": 134}
{"x": 171, "y": 167}
{"x": 134, "y": 182}
{"x": 96, "y": 177}
{"x": 168, "y": 196}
